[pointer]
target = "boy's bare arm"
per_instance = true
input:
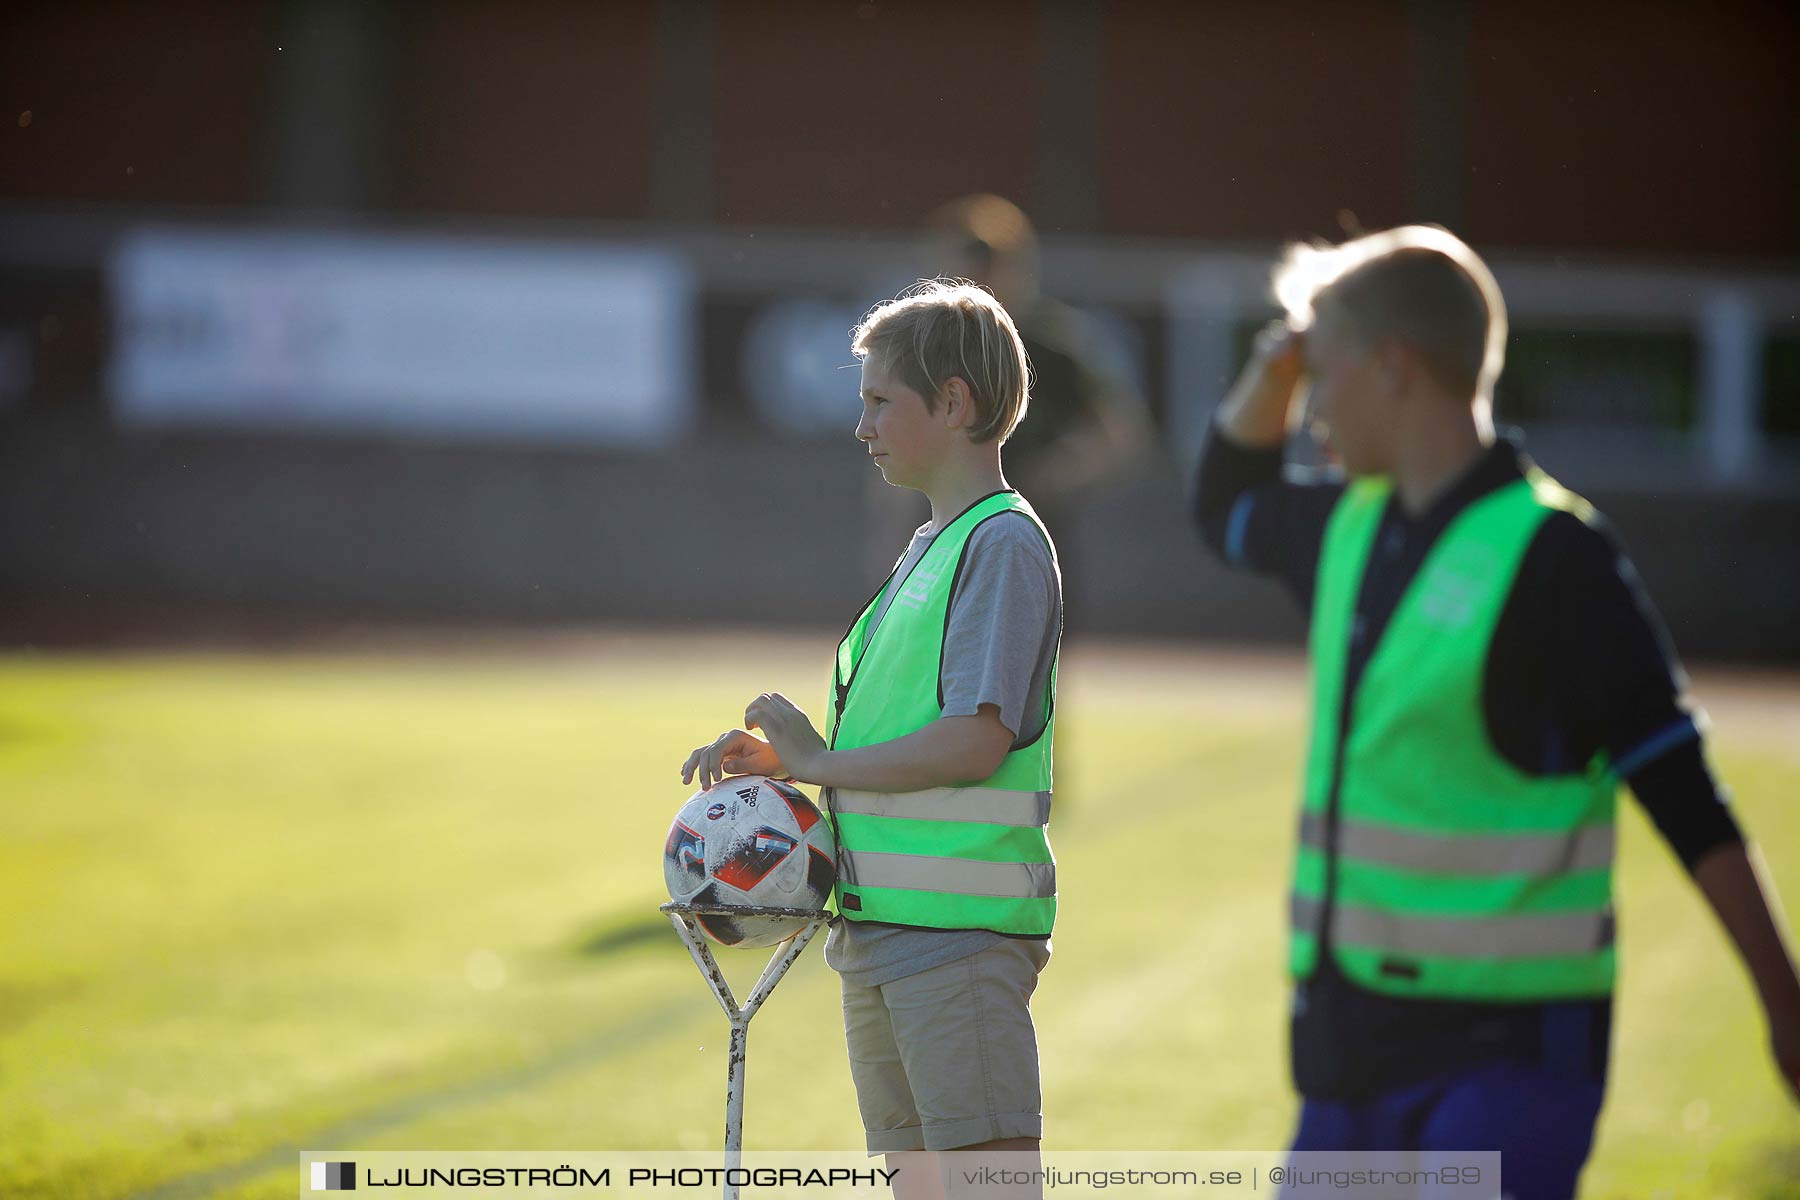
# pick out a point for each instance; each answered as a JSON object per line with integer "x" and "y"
{"x": 950, "y": 750}
{"x": 1729, "y": 879}
{"x": 945, "y": 753}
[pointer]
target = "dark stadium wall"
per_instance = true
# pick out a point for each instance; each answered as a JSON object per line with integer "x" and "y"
{"x": 1526, "y": 126}
{"x": 1250, "y": 122}
{"x": 524, "y": 110}
{"x": 223, "y": 528}
{"x": 863, "y": 115}
{"x": 1654, "y": 132}
{"x": 137, "y": 106}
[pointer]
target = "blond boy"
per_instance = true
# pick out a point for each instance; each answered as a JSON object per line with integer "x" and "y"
{"x": 936, "y": 755}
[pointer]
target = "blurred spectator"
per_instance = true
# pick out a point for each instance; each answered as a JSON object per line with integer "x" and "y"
{"x": 1085, "y": 422}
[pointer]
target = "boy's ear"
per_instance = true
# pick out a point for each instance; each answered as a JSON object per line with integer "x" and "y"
{"x": 957, "y": 407}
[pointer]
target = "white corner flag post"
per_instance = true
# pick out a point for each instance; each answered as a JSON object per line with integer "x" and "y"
{"x": 682, "y": 916}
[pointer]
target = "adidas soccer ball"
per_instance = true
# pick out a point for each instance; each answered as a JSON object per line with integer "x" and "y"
{"x": 752, "y": 841}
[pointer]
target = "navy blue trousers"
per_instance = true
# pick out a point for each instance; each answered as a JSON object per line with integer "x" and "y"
{"x": 1541, "y": 1122}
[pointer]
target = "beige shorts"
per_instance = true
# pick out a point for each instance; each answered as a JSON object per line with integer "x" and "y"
{"x": 948, "y": 1057}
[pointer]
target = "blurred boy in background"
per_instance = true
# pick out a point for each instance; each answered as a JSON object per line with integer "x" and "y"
{"x": 1087, "y": 422}
{"x": 1486, "y": 670}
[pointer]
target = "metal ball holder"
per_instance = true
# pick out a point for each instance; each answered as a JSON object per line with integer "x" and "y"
{"x": 682, "y": 916}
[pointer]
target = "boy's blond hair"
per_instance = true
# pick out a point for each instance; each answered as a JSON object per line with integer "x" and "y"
{"x": 1419, "y": 284}
{"x": 940, "y": 329}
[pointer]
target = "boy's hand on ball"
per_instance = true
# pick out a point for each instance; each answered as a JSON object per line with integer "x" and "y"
{"x": 789, "y": 730}
{"x": 734, "y": 752}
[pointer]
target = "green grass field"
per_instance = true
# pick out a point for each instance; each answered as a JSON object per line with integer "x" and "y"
{"x": 251, "y": 905}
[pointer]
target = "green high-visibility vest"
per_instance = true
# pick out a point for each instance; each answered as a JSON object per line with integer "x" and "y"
{"x": 972, "y": 856}
{"x": 1442, "y": 869}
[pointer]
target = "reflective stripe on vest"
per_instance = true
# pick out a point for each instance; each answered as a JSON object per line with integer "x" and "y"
{"x": 975, "y": 856}
{"x": 931, "y": 873}
{"x": 1590, "y": 849}
{"x": 1431, "y": 865}
{"x": 1535, "y": 935}
{"x": 996, "y": 806}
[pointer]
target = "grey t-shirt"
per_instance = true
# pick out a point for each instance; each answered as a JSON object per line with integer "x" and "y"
{"x": 999, "y": 646}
